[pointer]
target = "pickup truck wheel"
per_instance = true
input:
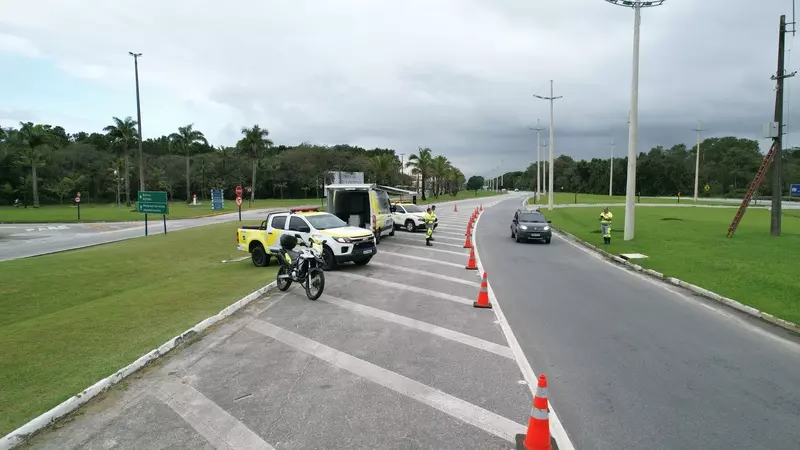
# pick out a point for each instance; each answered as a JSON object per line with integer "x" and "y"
{"x": 377, "y": 237}
{"x": 410, "y": 226}
{"x": 259, "y": 256}
{"x": 330, "y": 260}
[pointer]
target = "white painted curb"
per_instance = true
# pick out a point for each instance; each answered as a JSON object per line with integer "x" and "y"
{"x": 557, "y": 430}
{"x": 791, "y": 326}
{"x": 25, "y": 432}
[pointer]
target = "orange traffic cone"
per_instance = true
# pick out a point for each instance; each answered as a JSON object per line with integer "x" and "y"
{"x": 538, "y": 435}
{"x": 481, "y": 207}
{"x": 471, "y": 264}
{"x": 468, "y": 243}
{"x": 483, "y": 294}
{"x": 455, "y": 207}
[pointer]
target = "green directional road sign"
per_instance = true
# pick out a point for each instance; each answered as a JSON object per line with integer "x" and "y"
{"x": 153, "y": 202}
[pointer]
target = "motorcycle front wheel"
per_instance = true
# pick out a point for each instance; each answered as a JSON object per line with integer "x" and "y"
{"x": 283, "y": 283}
{"x": 315, "y": 283}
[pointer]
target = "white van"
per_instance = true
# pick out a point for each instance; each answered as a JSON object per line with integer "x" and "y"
{"x": 363, "y": 206}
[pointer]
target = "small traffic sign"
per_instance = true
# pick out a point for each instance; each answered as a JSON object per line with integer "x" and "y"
{"x": 78, "y": 194}
{"x": 707, "y": 188}
{"x": 77, "y": 199}
{"x": 794, "y": 189}
{"x": 238, "y": 201}
{"x": 249, "y": 189}
{"x": 238, "y": 191}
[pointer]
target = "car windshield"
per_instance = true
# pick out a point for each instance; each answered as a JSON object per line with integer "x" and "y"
{"x": 412, "y": 208}
{"x": 325, "y": 221}
{"x": 531, "y": 217}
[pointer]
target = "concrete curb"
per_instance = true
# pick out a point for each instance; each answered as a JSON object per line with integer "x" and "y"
{"x": 691, "y": 287}
{"x": 25, "y": 432}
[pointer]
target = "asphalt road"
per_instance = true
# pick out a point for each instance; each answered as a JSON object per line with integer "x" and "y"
{"x": 635, "y": 364}
{"x": 26, "y": 240}
{"x": 393, "y": 355}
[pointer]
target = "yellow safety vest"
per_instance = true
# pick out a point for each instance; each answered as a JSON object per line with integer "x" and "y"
{"x": 606, "y": 217}
{"x": 428, "y": 218}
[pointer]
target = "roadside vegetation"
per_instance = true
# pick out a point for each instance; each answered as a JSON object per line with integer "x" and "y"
{"x": 72, "y": 318}
{"x": 42, "y": 164}
{"x": 691, "y": 244}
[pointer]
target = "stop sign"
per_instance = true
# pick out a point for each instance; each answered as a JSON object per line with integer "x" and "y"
{"x": 238, "y": 191}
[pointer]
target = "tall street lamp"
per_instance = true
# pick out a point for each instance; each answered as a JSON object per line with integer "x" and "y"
{"x": 538, "y": 130}
{"x": 633, "y": 129}
{"x": 611, "y": 172}
{"x": 138, "y": 118}
{"x": 552, "y": 140}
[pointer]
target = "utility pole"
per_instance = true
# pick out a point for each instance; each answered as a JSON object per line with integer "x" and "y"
{"x": 551, "y": 98}
{"x": 545, "y": 145}
{"x": 611, "y": 172}
{"x": 777, "y": 185}
{"x": 697, "y": 162}
{"x": 139, "y": 118}
{"x": 402, "y": 164}
{"x": 538, "y": 130}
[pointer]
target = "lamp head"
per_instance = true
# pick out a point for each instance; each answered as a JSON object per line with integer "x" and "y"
{"x": 636, "y": 3}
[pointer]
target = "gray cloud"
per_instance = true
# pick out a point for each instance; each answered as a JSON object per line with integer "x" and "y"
{"x": 454, "y": 75}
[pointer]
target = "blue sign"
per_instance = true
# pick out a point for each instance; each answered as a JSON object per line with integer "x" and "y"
{"x": 217, "y": 200}
{"x": 794, "y": 189}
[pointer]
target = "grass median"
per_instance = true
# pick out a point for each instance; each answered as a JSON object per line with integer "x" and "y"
{"x": 91, "y": 212}
{"x": 691, "y": 244}
{"x": 568, "y": 198}
{"x": 72, "y": 318}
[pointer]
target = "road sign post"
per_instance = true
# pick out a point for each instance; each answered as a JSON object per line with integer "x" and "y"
{"x": 239, "y": 205}
{"x": 153, "y": 202}
{"x": 217, "y": 199}
{"x": 78, "y": 204}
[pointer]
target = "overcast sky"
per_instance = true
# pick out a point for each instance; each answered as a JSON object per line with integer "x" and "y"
{"x": 453, "y": 75}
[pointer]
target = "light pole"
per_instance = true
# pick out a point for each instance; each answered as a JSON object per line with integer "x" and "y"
{"x": 633, "y": 129}
{"x": 138, "y": 118}
{"x": 545, "y": 145}
{"x": 402, "y": 164}
{"x": 116, "y": 176}
{"x": 552, "y": 139}
{"x": 611, "y": 172}
{"x": 538, "y": 130}
{"x": 697, "y": 161}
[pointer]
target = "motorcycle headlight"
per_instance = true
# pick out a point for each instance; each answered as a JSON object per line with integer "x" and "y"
{"x": 523, "y": 227}
{"x": 342, "y": 240}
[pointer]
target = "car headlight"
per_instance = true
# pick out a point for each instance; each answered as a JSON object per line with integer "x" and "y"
{"x": 342, "y": 240}
{"x": 546, "y": 228}
{"x": 523, "y": 227}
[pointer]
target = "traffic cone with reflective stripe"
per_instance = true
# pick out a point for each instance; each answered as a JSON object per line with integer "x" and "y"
{"x": 468, "y": 243}
{"x": 538, "y": 435}
{"x": 471, "y": 264}
{"x": 483, "y": 294}
{"x": 481, "y": 207}
{"x": 455, "y": 207}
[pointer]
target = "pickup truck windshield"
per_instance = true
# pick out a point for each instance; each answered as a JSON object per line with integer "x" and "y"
{"x": 325, "y": 221}
{"x": 413, "y": 208}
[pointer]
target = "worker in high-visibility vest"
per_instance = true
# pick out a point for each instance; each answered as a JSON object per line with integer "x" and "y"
{"x": 435, "y": 220}
{"x": 605, "y": 225}
{"x": 429, "y": 219}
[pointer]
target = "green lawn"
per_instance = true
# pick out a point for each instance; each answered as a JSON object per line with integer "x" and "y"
{"x": 70, "y": 319}
{"x": 691, "y": 244}
{"x": 564, "y": 198}
{"x": 111, "y": 213}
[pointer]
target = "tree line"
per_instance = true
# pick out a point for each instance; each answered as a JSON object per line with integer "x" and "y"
{"x": 41, "y": 164}
{"x": 727, "y": 166}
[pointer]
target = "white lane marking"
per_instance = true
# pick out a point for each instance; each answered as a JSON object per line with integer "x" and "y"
{"x": 426, "y": 273}
{"x": 446, "y": 333}
{"x": 405, "y": 287}
{"x": 410, "y": 239}
{"x": 421, "y": 258}
{"x": 219, "y": 428}
{"x": 402, "y": 246}
{"x": 557, "y": 430}
{"x": 452, "y": 406}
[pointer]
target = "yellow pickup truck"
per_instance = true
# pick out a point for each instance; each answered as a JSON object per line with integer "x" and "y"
{"x": 343, "y": 243}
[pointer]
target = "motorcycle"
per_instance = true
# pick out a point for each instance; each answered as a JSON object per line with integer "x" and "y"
{"x": 304, "y": 267}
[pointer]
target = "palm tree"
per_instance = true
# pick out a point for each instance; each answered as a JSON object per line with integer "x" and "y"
{"x": 440, "y": 169}
{"x": 34, "y": 141}
{"x": 457, "y": 179}
{"x": 383, "y": 166}
{"x": 255, "y": 140}
{"x": 184, "y": 142}
{"x": 123, "y": 132}
{"x": 421, "y": 165}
